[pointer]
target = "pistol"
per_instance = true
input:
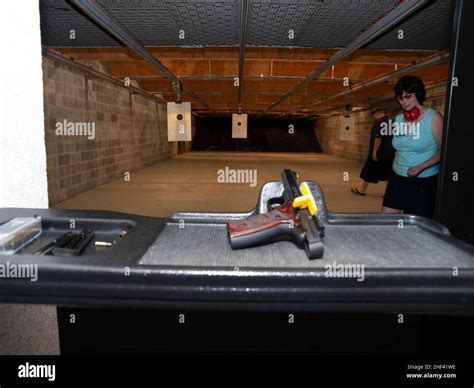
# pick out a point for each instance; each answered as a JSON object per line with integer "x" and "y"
{"x": 294, "y": 220}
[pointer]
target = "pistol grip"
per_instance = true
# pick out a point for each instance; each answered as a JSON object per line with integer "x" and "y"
{"x": 279, "y": 224}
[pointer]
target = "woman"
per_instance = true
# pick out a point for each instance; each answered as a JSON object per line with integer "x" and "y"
{"x": 417, "y": 141}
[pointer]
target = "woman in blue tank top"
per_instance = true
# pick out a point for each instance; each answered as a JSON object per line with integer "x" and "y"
{"x": 417, "y": 134}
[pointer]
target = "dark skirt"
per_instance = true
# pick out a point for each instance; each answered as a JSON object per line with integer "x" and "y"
{"x": 373, "y": 171}
{"x": 411, "y": 194}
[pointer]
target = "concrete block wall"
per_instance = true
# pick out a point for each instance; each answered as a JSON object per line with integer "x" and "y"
{"x": 130, "y": 131}
{"x": 327, "y": 132}
{"x": 327, "y": 127}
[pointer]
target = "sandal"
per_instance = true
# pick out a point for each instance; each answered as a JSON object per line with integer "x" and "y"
{"x": 356, "y": 191}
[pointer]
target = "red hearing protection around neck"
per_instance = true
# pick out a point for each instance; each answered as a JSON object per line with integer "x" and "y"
{"x": 412, "y": 114}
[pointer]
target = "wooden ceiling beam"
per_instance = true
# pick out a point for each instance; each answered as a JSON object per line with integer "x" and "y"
{"x": 363, "y": 56}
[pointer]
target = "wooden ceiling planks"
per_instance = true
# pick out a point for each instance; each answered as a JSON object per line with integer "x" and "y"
{"x": 269, "y": 73}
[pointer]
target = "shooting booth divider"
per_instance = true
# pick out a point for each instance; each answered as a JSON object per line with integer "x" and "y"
{"x": 455, "y": 196}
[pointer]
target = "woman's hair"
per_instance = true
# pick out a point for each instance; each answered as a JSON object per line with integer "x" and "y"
{"x": 411, "y": 84}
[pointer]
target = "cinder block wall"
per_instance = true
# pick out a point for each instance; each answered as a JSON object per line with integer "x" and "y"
{"x": 130, "y": 131}
{"x": 327, "y": 128}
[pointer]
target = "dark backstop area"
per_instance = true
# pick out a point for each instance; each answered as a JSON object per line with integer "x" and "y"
{"x": 214, "y": 133}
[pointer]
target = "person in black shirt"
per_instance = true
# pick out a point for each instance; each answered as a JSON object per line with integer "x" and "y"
{"x": 378, "y": 165}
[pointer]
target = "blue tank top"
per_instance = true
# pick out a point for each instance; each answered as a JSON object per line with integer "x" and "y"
{"x": 414, "y": 144}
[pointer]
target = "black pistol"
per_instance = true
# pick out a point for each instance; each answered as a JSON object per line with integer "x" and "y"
{"x": 295, "y": 220}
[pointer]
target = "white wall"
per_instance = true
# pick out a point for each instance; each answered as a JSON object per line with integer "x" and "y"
{"x": 23, "y": 181}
